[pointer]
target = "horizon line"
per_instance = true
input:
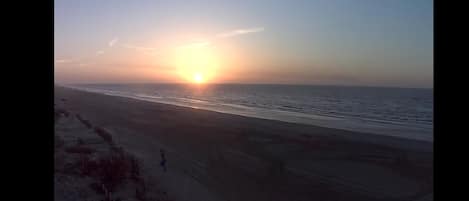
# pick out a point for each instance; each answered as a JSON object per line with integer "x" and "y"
{"x": 235, "y": 83}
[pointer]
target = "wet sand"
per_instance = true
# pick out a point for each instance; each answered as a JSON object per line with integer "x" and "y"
{"x": 216, "y": 156}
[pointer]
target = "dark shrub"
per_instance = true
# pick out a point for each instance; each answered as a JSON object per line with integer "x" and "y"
{"x": 84, "y": 121}
{"x": 79, "y": 150}
{"x": 113, "y": 170}
{"x": 104, "y": 134}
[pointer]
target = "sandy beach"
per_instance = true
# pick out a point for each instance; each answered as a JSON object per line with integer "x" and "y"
{"x": 216, "y": 156}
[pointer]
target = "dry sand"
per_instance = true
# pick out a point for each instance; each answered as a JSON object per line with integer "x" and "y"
{"x": 215, "y": 156}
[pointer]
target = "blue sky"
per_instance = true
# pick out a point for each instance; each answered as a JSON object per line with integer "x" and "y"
{"x": 359, "y": 42}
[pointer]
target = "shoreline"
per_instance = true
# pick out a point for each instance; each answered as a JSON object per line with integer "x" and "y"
{"x": 400, "y": 130}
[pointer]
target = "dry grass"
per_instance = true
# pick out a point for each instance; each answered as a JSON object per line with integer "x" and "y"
{"x": 111, "y": 170}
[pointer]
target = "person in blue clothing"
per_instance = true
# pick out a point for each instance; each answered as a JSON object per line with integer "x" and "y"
{"x": 163, "y": 160}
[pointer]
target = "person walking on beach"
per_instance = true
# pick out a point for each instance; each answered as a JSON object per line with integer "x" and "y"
{"x": 163, "y": 160}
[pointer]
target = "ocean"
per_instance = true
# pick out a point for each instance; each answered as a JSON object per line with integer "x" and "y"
{"x": 399, "y": 112}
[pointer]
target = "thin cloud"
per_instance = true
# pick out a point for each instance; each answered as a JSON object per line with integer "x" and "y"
{"x": 240, "y": 32}
{"x": 75, "y": 62}
{"x": 63, "y": 61}
{"x": 139, "y": 47}
{"x": 146, "y": 50}
{"x": 83, "y": 64}
{"x": 113, "y": 42}
{"x": 99, "y": 52}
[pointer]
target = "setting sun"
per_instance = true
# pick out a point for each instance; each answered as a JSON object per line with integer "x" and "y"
{"x": 198, "y": 78}
{"x": 196, "y": 64}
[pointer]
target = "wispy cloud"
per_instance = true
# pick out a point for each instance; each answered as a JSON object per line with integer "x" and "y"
{"x": 146, "y": 50}
{"x": 74, "y": 62}
{"x": 63, "y": 61}
{"x": 138, "y": 47}
{"x": 240, "y": 32}
{"x": 99, "y": 52}
{"x": 113, "y": 42}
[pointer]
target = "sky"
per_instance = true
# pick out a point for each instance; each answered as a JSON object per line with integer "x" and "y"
{"x": 329, "y": 42}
